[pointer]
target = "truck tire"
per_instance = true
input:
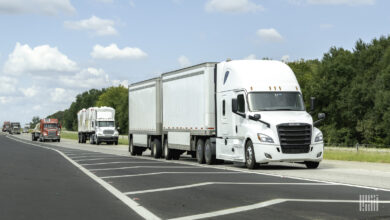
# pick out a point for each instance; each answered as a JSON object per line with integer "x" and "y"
{"x": 250, "y": 159}
{"x": 208, "y": 153}
{"x": 132, "y": 148}
{"x": 156, "y": 148}
{"x": 176, "y": 154}
{"x": 59, "y": 140}
{"x": 116, "y": 142}
{"x": 311, "y": 164}
{"x": 79, "y": 138}
{"x": 32, "y": 137}
{"x": 167, "y": 153}
{"x": 200, "y": 151}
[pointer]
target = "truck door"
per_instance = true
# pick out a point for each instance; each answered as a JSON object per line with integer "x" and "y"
{"x": 238, "y": 120}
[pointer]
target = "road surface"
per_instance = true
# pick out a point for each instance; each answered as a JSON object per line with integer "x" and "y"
{"x": 53, "y": 181}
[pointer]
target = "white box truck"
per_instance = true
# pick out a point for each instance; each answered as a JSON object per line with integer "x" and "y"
{"x": 249, "y": 111}
{"x": 97, "y": 124}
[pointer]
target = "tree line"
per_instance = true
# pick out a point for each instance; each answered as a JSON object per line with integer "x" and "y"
{"x": 351, "y": 87}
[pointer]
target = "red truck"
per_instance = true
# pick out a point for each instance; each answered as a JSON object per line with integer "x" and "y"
{"x": 6, "y": 126}
{"x": 48, "y": 130}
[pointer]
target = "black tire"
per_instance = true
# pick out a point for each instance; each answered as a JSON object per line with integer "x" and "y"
{"x": 200, "y": 151}
{"x": 97, "y": 141}
{"x": 116, "y": 142}
{"x": 59, "y": 140}
{"x": 250, "y": 159}
{"x": 167, "y": 153}
{"x": 156, "y": 148}
{"x": 79, "y": 138}
{"x": 132, "y": 148}
{"x": 311, "y": 164}
{"x": 32, "y": 137}
{"x": 208, "y": 153}
{"x": 176, "y": 154}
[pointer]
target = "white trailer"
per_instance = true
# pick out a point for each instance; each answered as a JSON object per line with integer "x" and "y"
{"x": 97, "y": 124}
{"x": 249, "y": 111}
{"x": 145, "y": 117}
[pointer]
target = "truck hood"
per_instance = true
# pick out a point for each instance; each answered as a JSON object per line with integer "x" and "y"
{"x": 280, "y": 117}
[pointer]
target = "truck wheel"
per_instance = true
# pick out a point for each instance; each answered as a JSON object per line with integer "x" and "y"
{"x": 32, "y": 137}
{"x": 116, "y": 142}
{"x": 250, "y": 159}
{"x": 208, "y": 153}
{"x": 200, "y": 151}
{"x": 167, "y": 152}
{"x": 311, "y": 164}
{"x": 176, "y": 154}
{"x": 156, "y": 148}
{"x": 59, "y": 140}
{"x": 132, "y": 148}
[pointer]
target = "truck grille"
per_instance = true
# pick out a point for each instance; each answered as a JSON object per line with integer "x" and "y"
{"x": 108, "y": 132}
{"x": 294, "y": 138}
{"x": 52, "y": 133}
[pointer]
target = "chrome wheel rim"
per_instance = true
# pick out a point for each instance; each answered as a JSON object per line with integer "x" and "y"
{"x": 249, "y": 154}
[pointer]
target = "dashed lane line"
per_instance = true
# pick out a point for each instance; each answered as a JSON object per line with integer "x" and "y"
{"x": 158, "y": 173}
{"x": 165, "y": 167}
{"x": 262, "y": 205}
{"x": 102, "y": 158}
{"x": 122, "y": 162}
{"x": 219, "y": 183}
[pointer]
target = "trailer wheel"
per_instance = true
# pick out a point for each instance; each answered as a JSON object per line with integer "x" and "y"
{"x": 116, "y": 142}
{"x": 176, "y": 154}
{"x": 166, "y": 151}
{"x": 156, "y": 148}
{"x": 311, "y": 164}
{"x": 132, "y": 148}
{"x": 200, "y": 151}
{"x": 208, "y": 153}
{"x": 250, "y": 159}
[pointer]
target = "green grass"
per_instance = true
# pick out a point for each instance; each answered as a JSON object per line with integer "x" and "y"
{"x": 69, "y": 135}
{"x": 74, "y": 136}
{"x": 379, "y": 157}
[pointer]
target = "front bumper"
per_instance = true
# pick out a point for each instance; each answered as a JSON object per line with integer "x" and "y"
{"x": 107, "y": 138}
{"x": 51, "y": 137}
{"x": 315, "y": 154}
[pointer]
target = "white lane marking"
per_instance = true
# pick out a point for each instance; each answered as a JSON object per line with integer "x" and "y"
{"x": 91, "y": 164}
{"x": 124, "y": 168}
{"x": 262, "y": 205}
{"x": 90, "y": 157}
{"x": 232, "y": 210}
{"x": 219, "y": 183}
{"x": 158, "y": 173}
{"x": 84, "y": 154}
{"x": 143, "y": 212}
{"x": 102, "y": 158}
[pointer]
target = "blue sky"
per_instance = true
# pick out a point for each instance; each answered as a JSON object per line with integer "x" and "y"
{"x": 51, "y": 50}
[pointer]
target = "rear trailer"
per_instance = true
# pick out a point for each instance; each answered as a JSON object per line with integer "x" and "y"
{"x": 145, "y": 117}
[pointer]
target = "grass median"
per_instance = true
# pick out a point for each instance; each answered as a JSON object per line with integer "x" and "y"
{"x": 361, "y": 156}
{"x": 74, "y": 136}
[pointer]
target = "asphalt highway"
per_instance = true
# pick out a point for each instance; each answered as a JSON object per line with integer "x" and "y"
{"x": 47, "y": 181}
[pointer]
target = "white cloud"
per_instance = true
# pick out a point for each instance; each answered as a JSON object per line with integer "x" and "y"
{"x": 7, "y": 85}
{"x": 341, "y": 2}
{"x": 47, "y": 7}
{"x": 232, "y": 6}
{"x": 250, "y": 57}
{"x": 326, "y": 26}
{"x": 86, "y": 79}
{"x": 94, "y": 24}
{"x": 30, "y": 92}
{"x": 44, "y": 58}
{"x": 106, "y": 1}
{"x": 58, "y": 95}
{"x": 124, "y": 83}
{"x": 183, "y": 61}
{"x": 285, "y": 58}
{"x": 269, "y": 35}
{"x": 113, "y": 52}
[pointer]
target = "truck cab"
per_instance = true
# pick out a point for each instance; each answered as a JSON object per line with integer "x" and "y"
{"x": 50, "y": 130}
{"x": 105, "y": 131}
{"x": 14, "y": 128}
{"x": 6, "y": 126}
{"x": 261, "y": 116}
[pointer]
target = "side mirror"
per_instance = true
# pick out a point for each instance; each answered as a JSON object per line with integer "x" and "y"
{"x": 321, "y": 116}
{"x": 312, "y": 99}
{"x": 118, "y": 128}
{"x": 255, "y": 117}
{"x": 234, "y": 106}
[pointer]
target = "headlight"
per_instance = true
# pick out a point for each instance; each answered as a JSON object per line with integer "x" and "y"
{"x": 265, "y": 138}
{"x": 319, "y": 138}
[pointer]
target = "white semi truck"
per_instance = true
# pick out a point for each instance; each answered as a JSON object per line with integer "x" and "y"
{"x": 249, "y": 111}
{"x": 97, "y": 124}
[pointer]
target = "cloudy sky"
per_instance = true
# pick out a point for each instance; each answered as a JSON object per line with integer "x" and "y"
{"x": 51, "y": 50}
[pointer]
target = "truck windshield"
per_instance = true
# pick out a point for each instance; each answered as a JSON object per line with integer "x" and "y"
{"x": 51, "y": 125}
{"x": 276, "y": 101}
{"x": 105, "y": 124}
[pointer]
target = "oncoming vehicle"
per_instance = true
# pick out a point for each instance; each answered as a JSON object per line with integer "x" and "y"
{"x": 249, "y": 111}
{"x": 6, "y": 126}
{"x": 50, "y": 130}
{"x": 14, "y": 128}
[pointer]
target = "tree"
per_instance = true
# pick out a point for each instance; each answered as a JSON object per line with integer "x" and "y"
{"x": 35, "y": 120}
